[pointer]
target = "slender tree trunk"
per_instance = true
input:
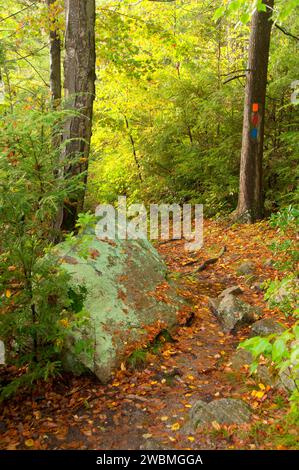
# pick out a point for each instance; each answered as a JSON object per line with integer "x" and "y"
{"x": 134, "y": 151}
{"x": 79, "y": 85}
{"x": 250, "y": 205}
{"x": 55, "y": 58}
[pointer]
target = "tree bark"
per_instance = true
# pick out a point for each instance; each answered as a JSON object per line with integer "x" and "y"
{"x": 55, "y": 59}
{"x": 79, "y": 85}
{"x": 250, "y": 205}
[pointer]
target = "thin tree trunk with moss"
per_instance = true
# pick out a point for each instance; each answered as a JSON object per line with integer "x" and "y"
{"x": 79, "y": 85}
{"x": 55, "y": 58}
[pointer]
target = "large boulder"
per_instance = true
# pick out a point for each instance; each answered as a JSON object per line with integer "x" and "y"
{"x": 126, "y": 297}
{"x": 232, "y": 312}
{"x": 223, "y": 411}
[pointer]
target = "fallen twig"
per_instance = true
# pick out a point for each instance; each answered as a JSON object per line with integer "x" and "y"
{"x": 207, "y": 263}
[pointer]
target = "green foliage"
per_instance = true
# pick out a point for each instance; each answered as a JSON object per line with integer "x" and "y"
{"x": 286, "y": 222}
{"x": 245, "y": 8}
{"x": 38, "y": 309}
{"x": 168, "y": 119}
{"x": 137, "y": 358}
{"x": 85, "y": 232}
{"x": 282, "y": 350}
{"x": 283, "y": 293}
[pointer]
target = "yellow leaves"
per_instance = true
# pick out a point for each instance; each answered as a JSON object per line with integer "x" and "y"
{"x": 164, "y": 418}
{"x": 168, "y": 352}
{"x": 190, "y": 377}
{"x": 261, "y": 393}
{"x": 147, "y": 436}
{"x": 191, "y": 438}
{"x": 258, "y": 393}
{"x": 113, "y": 404}
{"x": 8, "y": 293}
{"x": 64, "y": 322}
{"x": 29, "y": 443}
{"x": 175, "y": 427}
{"x": 216, "y": 425}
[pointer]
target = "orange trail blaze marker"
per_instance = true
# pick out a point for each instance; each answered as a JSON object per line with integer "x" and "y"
{"x": 255, "y": 107}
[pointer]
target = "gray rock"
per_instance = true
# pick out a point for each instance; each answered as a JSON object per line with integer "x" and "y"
{"x": 240, "y": 359}
{"x": 266, "y": 327}
{"x": 234, "y": 290}
{"x": 245, "y": 268}
{"x": 223, "y": 411}
{"x": 289, "y": 378}
{"x": 119, "y": 280}
{"x": 265, "y": 375}
{"x": 286, "y": 381}
{"x": 288, "y": 290}
{"x": 233, "y": 312}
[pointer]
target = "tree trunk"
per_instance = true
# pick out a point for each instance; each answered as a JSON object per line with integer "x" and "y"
{"x": 79, "y": 76}
{"x": 250, "y": 205}
{"x": 55, "y": 59}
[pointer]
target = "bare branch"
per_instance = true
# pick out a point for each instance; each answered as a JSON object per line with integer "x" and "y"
{"x": 35, "y": 69}
{"x": 287, "y": 33}
{"x": 234, "y": 78}
{"x": 28, "y": 55}
{"x": 18, "y": 12}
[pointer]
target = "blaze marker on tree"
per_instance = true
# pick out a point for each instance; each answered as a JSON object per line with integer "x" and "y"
{"x": 255, "y": 121}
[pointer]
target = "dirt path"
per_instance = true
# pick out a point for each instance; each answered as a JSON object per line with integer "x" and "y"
{"x": 149, "y": 408}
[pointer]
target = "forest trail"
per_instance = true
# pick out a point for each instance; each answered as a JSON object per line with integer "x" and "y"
{"x": 148, "y": 407}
